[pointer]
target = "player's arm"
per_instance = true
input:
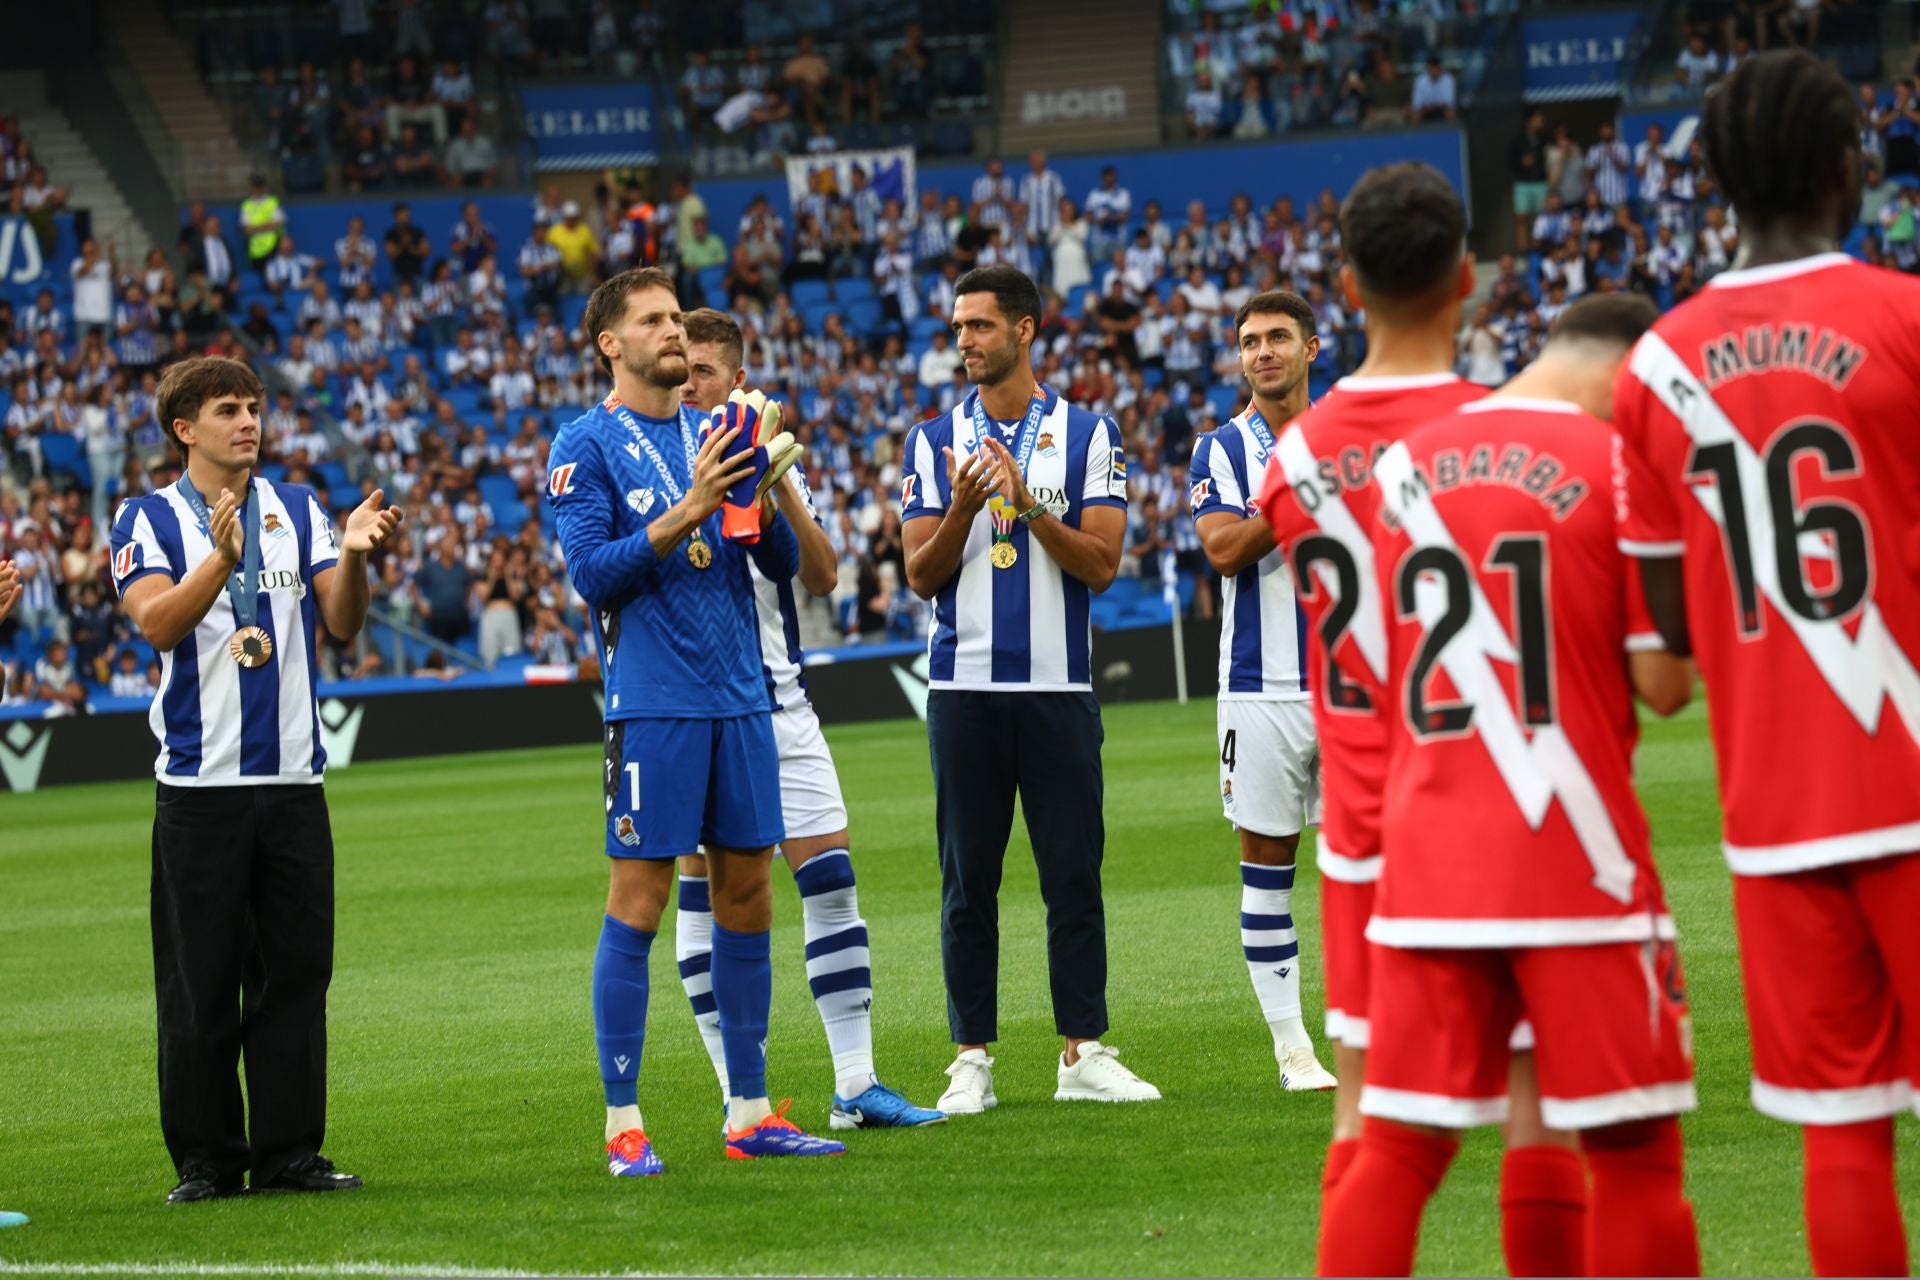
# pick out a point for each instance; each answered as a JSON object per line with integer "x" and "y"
{"x": 1090, "y": 553}
{"x": 341, "y": 590}
{"x": 777, "y": 553}
{"x": 1664, "y": 682}
{"x": 10, "y": 588}
{"x": 819, "y": 562}
{"x": 1233, "y": 542}
{"x": 167, "y": 611}
{"x": 933, "y": 549}
{"x": 1664, "y": 584}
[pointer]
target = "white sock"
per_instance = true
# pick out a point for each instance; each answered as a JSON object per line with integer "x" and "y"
{"x": 1272, "y": 950}
{"x": 839, "y": 966}
{"x": 744, "y": 1113}
{"x": 693, "y": 949}
{"x": 621, "y": 1119}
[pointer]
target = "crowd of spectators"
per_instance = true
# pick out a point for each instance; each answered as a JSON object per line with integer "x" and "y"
{"x": 30, "y": 192}
{"x": 409, "y": 124}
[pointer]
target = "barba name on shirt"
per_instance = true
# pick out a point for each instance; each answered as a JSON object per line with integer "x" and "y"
{"x": 1351, "y": 468}
{"x": 1765, "y": 348}
{"x": 1538, "y": 475}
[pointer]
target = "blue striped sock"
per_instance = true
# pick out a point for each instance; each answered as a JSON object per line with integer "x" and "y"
{"x": 620, "y": 1008}
{"x": 743, "y": 988}
{"x": 839, "y": 966}
{"x": 1272, "y": 949}
{"x": 693, "y": 950}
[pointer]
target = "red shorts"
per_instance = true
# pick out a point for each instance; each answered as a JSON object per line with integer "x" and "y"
{"x": 1612, "y": 1041}
{"x": 1345, "y": 908}
{"x": 1830, "y": 959}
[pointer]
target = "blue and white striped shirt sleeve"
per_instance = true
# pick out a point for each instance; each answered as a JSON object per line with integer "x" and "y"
{"x": 1213, "y": 486}
{"x": 920, "y": 479}
{"x": 137, "y": 550}
{"x": 1105, "y": 483}
{"x": 323, "y": 547}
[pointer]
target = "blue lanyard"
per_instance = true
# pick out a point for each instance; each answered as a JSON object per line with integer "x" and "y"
{"x": 1257, "y": 423}
{"x": 1029, "y": 429}
{"x": 627, "y": 418}
{"x": 243, "y": 588}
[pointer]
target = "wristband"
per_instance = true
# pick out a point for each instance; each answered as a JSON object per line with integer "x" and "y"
{"x": 1032, "y": 513}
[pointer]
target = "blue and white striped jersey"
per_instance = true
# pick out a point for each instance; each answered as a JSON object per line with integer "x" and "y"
{"x": 1025, "y": 627}
{"x": 780, "y": 651}
{"x": 1263, "y": 632}
{"x": 221, "y": 724}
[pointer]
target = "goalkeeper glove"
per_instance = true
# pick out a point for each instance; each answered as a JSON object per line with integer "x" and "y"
{"x": 775, "y": 450}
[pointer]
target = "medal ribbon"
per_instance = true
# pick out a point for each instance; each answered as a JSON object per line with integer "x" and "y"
{"x": 1257, "y": 423}
{"x": 243, "y": 588}
{"x": 998, "y": 507}
{"x": 628, "y": 419}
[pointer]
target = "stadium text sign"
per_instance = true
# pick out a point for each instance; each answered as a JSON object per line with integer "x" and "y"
{"x": 592, "y": 126}
{"x": 20, "y": 258}
{"x": 1577, "y": 57}
{"x": 1050, "y": 106}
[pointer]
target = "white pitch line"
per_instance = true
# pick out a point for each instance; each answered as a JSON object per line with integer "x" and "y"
{"x": 12, "y": 1268}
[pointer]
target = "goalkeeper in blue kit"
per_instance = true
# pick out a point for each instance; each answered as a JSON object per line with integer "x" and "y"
{"x": 657, "y": 517}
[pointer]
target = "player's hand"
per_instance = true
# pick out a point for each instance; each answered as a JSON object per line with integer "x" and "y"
{"x": 714, "y": 472}
{"x": 10, "y": 588}
{"x": 369, "y": 525}
{"x": 1005, "y": 477}
{"x": 229, "y": 539}
{"x": 760, "y": 419}
{"x": 969, "y": 483}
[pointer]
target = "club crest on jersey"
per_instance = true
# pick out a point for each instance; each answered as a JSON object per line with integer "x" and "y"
{"x": 272, "y": 524}
{"x": 910, "y": 483}
{"x": 1045, "y": 445}
{"x": 623, "y": 831}
{"x": 560, "y": 480}
{"x": 641, "y": 500}
{"x": 127, "y": 559}
{"x": 1226, "y": 791}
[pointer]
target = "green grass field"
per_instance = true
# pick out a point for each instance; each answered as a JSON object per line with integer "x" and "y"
{"x": 464, "y": 1086}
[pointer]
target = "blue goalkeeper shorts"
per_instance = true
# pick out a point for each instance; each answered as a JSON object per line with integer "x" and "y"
{"x": 675, "y": 785}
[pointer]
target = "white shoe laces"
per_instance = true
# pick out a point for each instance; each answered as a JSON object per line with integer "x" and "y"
{"x": 970, "y": 1074}
{"x": 1104, "y": 1059}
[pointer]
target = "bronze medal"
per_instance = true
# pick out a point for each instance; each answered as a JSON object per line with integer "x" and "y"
{"x": 699, "y": 554}
{"x": 1004, "y": 555}
{"x": 251, "y": 646}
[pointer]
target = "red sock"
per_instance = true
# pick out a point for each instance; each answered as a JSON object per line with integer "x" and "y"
{"x": 1543, "y": 1212}
{"x": 1853, "y": 1211}
{"x": 1340, "y": 1154}
{"x": 1639, "y": 1222}
{"x": 1371, "y": 1223}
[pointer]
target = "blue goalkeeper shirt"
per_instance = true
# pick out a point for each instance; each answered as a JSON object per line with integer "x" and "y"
{"x": 675, "y": 641}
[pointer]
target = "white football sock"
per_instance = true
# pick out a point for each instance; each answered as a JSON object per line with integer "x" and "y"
{"x": 839, "y": 966}
{"x": 1272, "y": 950}
{"x": 693, "y": 949}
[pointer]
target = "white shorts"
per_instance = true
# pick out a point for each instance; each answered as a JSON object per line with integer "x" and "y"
{"x": 1269, "y": 766}
{"x": 810, "y": 801}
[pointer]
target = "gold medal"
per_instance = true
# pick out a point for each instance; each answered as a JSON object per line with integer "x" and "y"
{"x": 1004, "y": 555}
{"x": 699, "y": 554}
{"x": 251, "y": 647}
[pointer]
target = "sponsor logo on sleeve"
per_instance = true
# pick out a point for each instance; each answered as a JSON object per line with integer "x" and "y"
{"x": 126, "y": 560}
{"x": 1201, "y": 491}
{"x": 908, "y": 487}
{"x": 560, "y": 480}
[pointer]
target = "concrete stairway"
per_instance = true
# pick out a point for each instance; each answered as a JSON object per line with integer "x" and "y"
{"x": 70, "y": 163}
{"x": 187, "y": 131}
{"x": 1081, "y": 75}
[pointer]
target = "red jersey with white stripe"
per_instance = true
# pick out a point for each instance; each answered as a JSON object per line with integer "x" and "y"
{"x": 1773, "y": 438}
{"x": 1319, "y": 496}
{"x": 1511, "y": 819}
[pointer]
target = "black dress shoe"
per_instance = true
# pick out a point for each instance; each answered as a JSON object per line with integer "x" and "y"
{"x": 197, "y": 1182}
{"x": 315, "y": 1173}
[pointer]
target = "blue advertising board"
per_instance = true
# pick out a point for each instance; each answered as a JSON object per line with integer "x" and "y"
{"x": 1581, "y": 56}
{"x": 594, "y": 126}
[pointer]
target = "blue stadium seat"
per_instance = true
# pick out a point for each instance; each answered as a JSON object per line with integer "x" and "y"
{"x": 805, "y": 292}
{"x": 510, "y": 515}
{"x": 64, "y": 457}
{"x": 334, "y": 476}
{"x": 864, "y": 316}
{"x": 1225, "y": 400}
{"x": 713, "y": 282}
{"x": 497, "y": 488}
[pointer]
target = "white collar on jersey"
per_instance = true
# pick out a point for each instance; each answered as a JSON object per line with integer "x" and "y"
{"x": 1405, "y": 382}
{"x": 1777, "y": 270}
{"x": 1525, "y": 404}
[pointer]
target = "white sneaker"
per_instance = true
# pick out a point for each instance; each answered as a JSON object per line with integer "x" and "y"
{"x": 1099, "y": 1077}
{"x": 1301, "y": 1072}
{"x": 972, "y": 1089}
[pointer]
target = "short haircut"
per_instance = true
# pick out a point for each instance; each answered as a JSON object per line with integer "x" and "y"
{"x": 1776, "y": 130}
{"x": 708, "y": 325}
{"x": 1012, "y": 289}
{"x": 1276, "y": 301}
{"x": 609, "y": 303}
{"x": 188, "y": 385}
{"x": 1404, "y": 229}
{"x": 1616, "y": 318}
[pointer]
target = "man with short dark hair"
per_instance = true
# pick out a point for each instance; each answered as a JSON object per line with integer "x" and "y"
{"x": 1269, "y": 753}
{"x": 228, "y": 575}
{"x": 1014, "y": 510}
{"x": 407, "y": 245}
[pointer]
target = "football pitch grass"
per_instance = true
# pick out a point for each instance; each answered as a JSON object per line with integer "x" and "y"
{"x": 464, "y": 1086}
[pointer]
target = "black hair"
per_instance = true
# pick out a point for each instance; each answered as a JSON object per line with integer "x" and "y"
{"x": 1777, "y": 132}
{"x": 1011, "y": 288}
{"x": 1404, "y": 228}
{"x": 1277, "y": 302}
{"x": 1618, "y": 318}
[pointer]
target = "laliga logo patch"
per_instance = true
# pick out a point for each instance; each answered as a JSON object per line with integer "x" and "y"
{"x": 908, "y": 484}
{"x": 1201, "y": 491}
{"x": 641, "y": 500}
{"x": 560, "y": 480}
{"x": 126, "y": 560}
{"x": 623, "y": 831}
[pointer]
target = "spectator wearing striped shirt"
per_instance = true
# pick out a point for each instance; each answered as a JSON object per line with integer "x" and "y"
{"x": 1609, "y": 162}
{"x": 1108, "y": 207}
{"x": 993, "y": 197}
{"x": 1041, "y": 192}
{"x": 931, "y": 244}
